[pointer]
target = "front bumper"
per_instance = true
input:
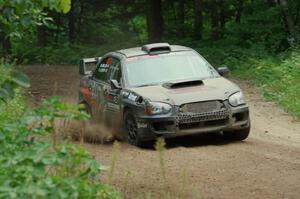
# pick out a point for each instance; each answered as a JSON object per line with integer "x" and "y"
{"x": 151, "y": 127}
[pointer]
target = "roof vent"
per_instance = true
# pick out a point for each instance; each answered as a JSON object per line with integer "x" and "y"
{"x": 157, "y": 48}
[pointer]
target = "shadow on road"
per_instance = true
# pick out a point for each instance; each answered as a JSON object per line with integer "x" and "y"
{"x": 196, "y": 140}
{"x": 201, "y": 140}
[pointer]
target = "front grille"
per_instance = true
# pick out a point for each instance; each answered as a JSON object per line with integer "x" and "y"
{"x": 194, "y": 120}
{"x": 200, "y": 107}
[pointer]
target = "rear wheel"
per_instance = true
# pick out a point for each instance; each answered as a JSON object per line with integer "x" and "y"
{"x": 237, "y": 135}
{"x": 131, "y": 129}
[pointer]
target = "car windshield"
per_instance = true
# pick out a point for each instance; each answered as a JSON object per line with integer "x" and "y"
{"x": 176, "y": 66}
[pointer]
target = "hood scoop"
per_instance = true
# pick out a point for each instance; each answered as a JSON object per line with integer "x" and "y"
{"x": 182, "y": 84}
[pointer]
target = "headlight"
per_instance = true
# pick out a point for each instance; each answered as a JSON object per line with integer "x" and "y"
{"x": 156, "y": 108}
{"x": 237, "y": 99}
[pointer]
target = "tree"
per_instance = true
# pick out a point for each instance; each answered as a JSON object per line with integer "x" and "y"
{"x": 181, "y": 17}
{"x": 214, "y": 19}
{"x": 23, "y": 15}
{"x": 155, "y": 20}
{"x": 72, "y": 22}
{"x": 222, "y": 13}
{"x": 198, "y": 19}
{"x": 239, "y": 11}
{"x": 289, "y": 20}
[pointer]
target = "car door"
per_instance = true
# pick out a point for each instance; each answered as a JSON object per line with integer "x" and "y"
{"x": 113, "y": 95}
{"x": 100, "y": 86}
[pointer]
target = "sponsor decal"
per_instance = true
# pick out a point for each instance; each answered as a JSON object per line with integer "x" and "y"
{"x": 109, "y": 61}
{"x": 109, "y": 97}
{"x": 115, "y": 68}
{"x": 102, "y": 70}
{"x": 104, "y": 66}
{"x": 142, "y": 125}
{"x": 85, "y": 91}
{"x": 116, "y": 99}
{"x": 113, "y": 106}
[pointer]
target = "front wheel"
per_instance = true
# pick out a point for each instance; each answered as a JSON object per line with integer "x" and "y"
{"x": 131, "y": 129}
{"x": 237, "y": 135}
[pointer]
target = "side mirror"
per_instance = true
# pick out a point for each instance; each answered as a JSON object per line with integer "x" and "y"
{"x": 83, "y": 62}
{"x": 223, "y": 71}
{"x": 82, "y": 68}
{"x": 114, "y": 84}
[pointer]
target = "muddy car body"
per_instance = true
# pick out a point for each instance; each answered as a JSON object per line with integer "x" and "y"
{"x": 163, "y": 90}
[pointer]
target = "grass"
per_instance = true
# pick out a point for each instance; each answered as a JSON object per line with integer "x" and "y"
{"x": 277, "y": 74}
{"x": 277, "y": 77}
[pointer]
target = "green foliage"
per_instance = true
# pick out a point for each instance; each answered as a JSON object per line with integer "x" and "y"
{"x": 278, "y": 76}
{"x": 31, "y": 167}
{"x": 12, "y": 109}
{"x": 21, "y": 15}
{"x": 63, "y": 5}
{"x": 139, "y": 24}
{"x": 65, "y": 53}
{"x": 10, "y": 79}
{"x": 20, "y": 18}
{"x": 259, "y": 28}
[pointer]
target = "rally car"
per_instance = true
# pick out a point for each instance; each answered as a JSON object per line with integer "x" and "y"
{"x": 162, "y": 90}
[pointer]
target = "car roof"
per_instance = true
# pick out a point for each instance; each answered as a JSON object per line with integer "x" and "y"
{"x": 138, "y": 51}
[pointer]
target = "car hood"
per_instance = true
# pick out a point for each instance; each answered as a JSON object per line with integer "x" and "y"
{"x": 211, "y": 89}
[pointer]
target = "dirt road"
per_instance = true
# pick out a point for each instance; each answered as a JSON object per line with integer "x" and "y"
{"x": 266, "y": 165}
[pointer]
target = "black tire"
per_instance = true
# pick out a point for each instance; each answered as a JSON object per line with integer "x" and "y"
{"x": 237, "y": 135}
{"x": 130, "y": 127}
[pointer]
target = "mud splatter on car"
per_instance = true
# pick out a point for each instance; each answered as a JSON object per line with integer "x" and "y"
{"x": 162, "y": 90}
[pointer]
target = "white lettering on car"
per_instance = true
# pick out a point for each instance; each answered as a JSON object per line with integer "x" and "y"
{"x": 142, "y": 125}
{"x": 113, "y": 106}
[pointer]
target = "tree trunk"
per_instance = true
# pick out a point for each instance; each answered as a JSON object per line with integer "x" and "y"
{"x": 80, "y": 18}
{"x": 6, "y": 44}
{"x": 215, "y": 33}
{"x": 72, "y": 22}
{"x": 58, "y": 23}
{"x": 5, "y": 40}
{"x": 272, "y": 3}
{"x": 289, "y": 20}
{"x": 154, "y": 20}
{"x": 222, "y": 15}
{"x": 198, "y": 19}
{"x": 41, "y": 35}
{"x": 181, "y": 18}
{"x": 239, "y": 11}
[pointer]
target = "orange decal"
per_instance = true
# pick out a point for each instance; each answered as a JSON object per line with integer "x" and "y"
{"x": 109, "y": 61}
